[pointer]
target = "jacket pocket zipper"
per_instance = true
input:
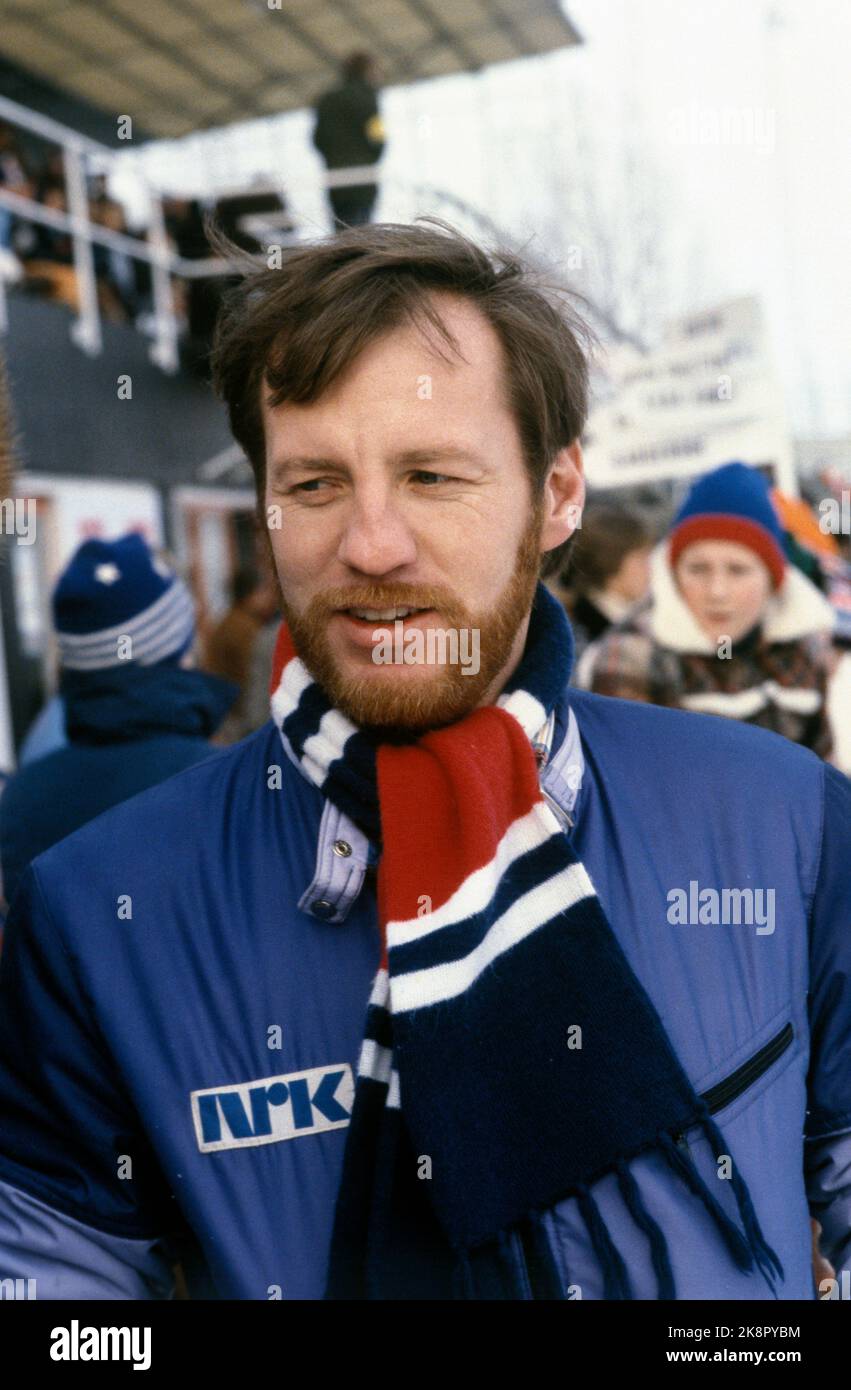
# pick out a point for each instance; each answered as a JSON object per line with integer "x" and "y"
{"x": 719, "y": 1096}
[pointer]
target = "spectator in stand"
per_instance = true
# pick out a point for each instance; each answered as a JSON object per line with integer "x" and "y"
{"x": 348, "y": 134}
{"x": 200, "y": 296}
{"x": 729, "y": 627}
{"x": 13, "y": 178}
{"x": 609, "y": 571}
{"x": 135, "y": 711}
{"x": 50, "y": 261}
{"x": 116, "y": 279}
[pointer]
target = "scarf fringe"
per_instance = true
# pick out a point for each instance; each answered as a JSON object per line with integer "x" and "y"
{"x": 554, "y": 1285}
{"x": 615, "y": 1278}
{"x": 747, "y": 1248}
{"x": 631, "y": 1194}
{"x": 765, "y": 1257}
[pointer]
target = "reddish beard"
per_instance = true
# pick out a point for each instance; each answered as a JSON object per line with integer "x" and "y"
{"x": 376, "y": 700}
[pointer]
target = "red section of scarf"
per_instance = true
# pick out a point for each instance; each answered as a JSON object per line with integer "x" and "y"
{"x": 446, "y": 802}
{"x": 284, "y": 652}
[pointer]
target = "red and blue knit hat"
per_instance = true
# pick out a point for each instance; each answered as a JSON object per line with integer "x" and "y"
{"x": 732, "y": 503}
{"x": 112, "y": 590}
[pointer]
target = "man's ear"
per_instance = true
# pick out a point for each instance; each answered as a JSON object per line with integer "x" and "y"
{"x": 563, "y": 497}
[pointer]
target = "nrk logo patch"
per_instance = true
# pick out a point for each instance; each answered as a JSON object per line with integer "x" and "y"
{"x": 278, "y": 1107}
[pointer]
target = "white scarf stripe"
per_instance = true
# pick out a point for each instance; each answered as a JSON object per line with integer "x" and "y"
{"x": 393, "y": 1100}
{"x": 479, "y": 887}
{"x": 292, "y": 685}
{"x": 327, "y": 744}
{"x": 375, "y": 1061}
{"x": 380, "y": 989}
{"x": 420, "y": 988}
{"x": 529, "y": 712}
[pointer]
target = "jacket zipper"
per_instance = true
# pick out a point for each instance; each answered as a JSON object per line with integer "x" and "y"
{"x": 719, "y": 1096}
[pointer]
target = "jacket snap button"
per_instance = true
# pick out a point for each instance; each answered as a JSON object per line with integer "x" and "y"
{"x": 343, "y": 848}
{"x": 322, "y": 909}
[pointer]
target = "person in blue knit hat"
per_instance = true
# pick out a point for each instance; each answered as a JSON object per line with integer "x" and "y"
{"x": 728, "y": 627}
{"x": 134, "y": 710}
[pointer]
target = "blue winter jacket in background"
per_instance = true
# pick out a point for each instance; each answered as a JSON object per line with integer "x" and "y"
{"x": 128, "y": 727}
{"x": 184, "y": 986}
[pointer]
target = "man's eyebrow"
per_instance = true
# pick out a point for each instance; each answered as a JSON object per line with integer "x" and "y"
{"x": 438, "y": 452}
{"x": 295, "y": 463}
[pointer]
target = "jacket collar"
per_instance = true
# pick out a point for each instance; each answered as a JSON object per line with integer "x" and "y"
{"x": 344, "y": 855}
{"x": 796, "y": 610}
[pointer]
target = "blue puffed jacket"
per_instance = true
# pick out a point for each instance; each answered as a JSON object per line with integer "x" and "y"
{"x": 184, "y": 984}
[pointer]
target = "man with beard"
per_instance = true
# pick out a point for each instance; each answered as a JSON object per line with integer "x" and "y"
{"x": 390, "y": 999}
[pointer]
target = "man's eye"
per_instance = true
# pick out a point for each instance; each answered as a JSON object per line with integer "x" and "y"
{"x": 311, "y": 483}
{"x": 425, "y": 473}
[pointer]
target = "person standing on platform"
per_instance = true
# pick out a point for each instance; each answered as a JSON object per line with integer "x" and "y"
{"x": 348, "y": 134}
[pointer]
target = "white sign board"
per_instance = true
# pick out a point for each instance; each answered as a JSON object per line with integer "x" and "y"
{"x": 706, "y": 396}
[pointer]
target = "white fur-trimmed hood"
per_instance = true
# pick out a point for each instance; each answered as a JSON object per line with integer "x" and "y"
{"x": 796, "y": 610}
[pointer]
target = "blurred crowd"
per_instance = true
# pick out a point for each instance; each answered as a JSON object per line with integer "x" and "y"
{"x": 39, "y": 258}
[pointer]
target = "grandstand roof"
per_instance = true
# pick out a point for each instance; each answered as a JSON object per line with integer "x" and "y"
{"x": 181, "y": 65}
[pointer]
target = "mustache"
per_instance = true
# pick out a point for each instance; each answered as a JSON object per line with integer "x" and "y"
{"x": 380, "y": 596}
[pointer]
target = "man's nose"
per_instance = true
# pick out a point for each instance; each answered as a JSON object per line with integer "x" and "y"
{"x": 376, "y": 538}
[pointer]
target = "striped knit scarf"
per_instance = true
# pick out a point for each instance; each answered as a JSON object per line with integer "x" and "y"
{"x": 473, "y": 1114}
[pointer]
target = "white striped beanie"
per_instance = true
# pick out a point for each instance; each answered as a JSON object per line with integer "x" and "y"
{"x": 112, "y": 591}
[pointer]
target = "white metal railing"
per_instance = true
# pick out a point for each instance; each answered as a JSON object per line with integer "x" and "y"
{"x": 82, "y": 155}
{"x": 154, "y": 249}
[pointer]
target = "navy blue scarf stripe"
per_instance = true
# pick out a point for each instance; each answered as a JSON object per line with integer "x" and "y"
{"x": 379, "y": 1027}
{"x": 304, "y": 721}
{"x": 455, "y": 942}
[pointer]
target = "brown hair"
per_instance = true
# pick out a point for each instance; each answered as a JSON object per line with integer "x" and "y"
{"x": 609, "y": 533}
{"x": 300, "y": 327}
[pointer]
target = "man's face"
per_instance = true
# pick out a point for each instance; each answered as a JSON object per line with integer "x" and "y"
{"x": 404, "y": 486}
{"x": 725, "y": 585}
